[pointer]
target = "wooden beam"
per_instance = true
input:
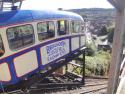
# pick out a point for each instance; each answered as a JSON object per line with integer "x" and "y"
{"x": 117, "y": 51}
{"x": 114, "y": 4}
{"x": 118, "y": 4}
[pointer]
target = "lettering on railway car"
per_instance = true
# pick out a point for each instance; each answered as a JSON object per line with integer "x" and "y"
{"x": 56, "y": 50}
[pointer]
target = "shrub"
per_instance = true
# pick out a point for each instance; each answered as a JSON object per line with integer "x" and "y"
{"x": 98, "y": 64}
{"x": 103, "y": 31}
{"x": 110, "y": 35}
{"x": 90, "y": 49}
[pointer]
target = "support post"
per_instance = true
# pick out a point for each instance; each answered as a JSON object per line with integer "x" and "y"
{"x": 117, "y": 51}
{"x": 20, "y": 4}
{"x": 83, "y": 67}
{"x": 1, "y": 6}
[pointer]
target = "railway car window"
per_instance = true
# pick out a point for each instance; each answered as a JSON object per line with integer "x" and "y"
{"x": 62, "y": 27}
{"x": 2, "y": 51}
{"x": 72, "y": 26}
{"x": 20, "y": 36}
{"x": 51, "y": 29}
{"x": 75, "y": 27}
{"x": 46, "y": 30}
{"x": 42, "y": 30}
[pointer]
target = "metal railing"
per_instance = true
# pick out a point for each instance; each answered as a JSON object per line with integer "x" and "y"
{"x": 8, "y": 5}
{"x": 121, "y": 78}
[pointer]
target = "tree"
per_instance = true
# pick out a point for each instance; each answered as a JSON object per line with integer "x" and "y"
{"x": 103, "y": 31}
{"x": 110, "y": 35}
{"x": 90, "y": 49}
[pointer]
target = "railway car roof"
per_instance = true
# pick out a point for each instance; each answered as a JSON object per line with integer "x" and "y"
{"x": 20, "y": 16}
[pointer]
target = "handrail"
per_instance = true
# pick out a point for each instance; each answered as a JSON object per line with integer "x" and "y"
{"x": 122, "y": 68}
{"x": 8, "y": 5}
{"x": 121, "y": 78}
{"x": 122, "y": 64}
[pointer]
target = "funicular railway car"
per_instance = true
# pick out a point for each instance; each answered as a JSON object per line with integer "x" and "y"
{"x": 31, "y": 40}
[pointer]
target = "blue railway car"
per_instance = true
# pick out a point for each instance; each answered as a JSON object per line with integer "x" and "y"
{"x": 31, "y": 40}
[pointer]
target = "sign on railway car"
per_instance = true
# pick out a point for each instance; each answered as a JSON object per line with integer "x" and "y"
{"x": 36, "y": 39}
{"x": 55, "y": 50}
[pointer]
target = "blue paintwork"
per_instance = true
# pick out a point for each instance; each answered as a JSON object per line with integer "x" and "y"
{"x": 20, "y": 16}
{"x": 10, "y": 59}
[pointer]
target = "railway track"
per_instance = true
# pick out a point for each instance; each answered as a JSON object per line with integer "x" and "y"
{"x": 87, "y": 90}
{"x": 65, "y": 84}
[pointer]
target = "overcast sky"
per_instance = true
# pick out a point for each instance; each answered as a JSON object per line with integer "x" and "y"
{"x": 65, "y": 4}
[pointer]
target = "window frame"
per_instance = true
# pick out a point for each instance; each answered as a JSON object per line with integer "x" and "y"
{"x": 73, "y": 29}
{"x": 3, "y": 46}
{"x": 66, "y": 27}
{"x": 47, "y": 24}
{"x": 21, "y": 46}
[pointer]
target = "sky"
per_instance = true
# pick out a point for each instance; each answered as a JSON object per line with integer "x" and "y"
{"x": 65, "y": 4}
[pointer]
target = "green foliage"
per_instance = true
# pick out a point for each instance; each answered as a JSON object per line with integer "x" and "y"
{"x": 90, "y": 65}
{"x": 78, "y": 71}
{"x": 90, "y": 49}
{"x": 87, "y": 72}
{"x": 98, "y": 64}
{"x": 110, "y": 34}
{"x": 103, "y": 31}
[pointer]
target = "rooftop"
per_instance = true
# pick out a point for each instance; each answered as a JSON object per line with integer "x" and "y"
{"x": 20, "y": 16}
